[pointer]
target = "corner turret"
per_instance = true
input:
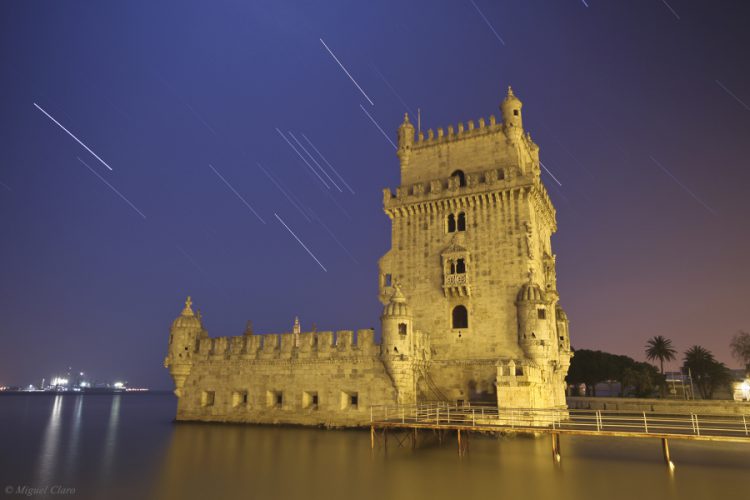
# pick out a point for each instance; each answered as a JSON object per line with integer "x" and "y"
{"x": 534, "y": 321}
{"x": 184, "y": 336}
{"x": 512, "y": 116}
{"x": 397, "y": 347}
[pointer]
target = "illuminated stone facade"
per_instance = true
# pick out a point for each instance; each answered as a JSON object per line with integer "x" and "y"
{"x": 469, "y": 291}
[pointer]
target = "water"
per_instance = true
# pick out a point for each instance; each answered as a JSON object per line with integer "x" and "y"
{"x": 126, "y": 446}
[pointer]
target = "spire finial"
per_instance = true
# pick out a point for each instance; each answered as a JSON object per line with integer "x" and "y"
{"x": 406, "y": 117}
{"x": 296, "y": 328}
{"x": 188, "y": 311}
{"x": 510, "y": 91}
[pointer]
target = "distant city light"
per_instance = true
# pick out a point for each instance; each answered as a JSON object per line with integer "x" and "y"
{"x": 119, "y": 385}
{"x": 58, "y": 381}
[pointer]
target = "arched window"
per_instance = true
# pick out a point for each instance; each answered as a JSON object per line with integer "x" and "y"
{"x": 461, "y": 221}
{"x": 453, "y": 267}
{"x": 460, "y": 317}
{"x": 451, "y": 223}
{"x": 460, "y": 266}
{"x": 461, "y": 177}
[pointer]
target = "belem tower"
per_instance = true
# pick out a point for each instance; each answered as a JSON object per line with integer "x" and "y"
{"x": 470, "y": 304}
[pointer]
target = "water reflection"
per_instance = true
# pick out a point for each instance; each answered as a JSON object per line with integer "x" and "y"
{"x": 73, "y": 443}
{"x": 110, "y": 439}
{"x": 50, "y": 444}
{"x": 128, "y": 447}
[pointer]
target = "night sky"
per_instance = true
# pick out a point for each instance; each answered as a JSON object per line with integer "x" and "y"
{"x": 640, "y": 108}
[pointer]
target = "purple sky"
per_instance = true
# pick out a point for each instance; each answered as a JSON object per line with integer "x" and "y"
{"x": 640, "y": 111}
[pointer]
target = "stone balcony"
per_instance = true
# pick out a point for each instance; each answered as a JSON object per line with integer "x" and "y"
{"x": 456, "y": 285}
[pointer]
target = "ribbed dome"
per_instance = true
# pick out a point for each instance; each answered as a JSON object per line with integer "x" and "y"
{"x": 530, "y": 292}
{"x": 397, "y": 305}
{"x": 560, "y": 314}
{"x": 187, "y": 319}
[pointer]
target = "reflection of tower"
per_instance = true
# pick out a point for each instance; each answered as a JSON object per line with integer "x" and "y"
{"x": 183, "y": 343}
{"x": 397, "y": 348}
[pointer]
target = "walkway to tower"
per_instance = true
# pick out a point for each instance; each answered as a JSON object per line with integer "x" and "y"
{"x": 442, "y": 418}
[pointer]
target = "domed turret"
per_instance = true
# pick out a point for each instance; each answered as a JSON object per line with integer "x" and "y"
{"x": 186, "y": 330}
{"x": 512, "y": 117}
{"x": 397, "y": 346}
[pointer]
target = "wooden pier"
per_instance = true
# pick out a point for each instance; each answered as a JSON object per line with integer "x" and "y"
{"x": 405, "y": 421}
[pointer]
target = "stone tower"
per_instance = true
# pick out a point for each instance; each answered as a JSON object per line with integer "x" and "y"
{"x": 471, "y": 248}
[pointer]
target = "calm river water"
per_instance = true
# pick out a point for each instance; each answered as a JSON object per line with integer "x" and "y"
{"x": 126, "y": 446}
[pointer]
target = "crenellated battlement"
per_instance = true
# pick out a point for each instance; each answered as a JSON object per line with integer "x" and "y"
{"x": 459, "y": 133}
{"x": 290, "y": 346}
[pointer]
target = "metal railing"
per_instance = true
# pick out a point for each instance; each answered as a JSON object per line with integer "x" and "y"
{"x": 602, "y": 422}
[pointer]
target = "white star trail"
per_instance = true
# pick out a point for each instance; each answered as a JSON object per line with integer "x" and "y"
{"x": 388, "y": 84}
{"x": 333, "y": 236}
{"x": 584, "y": 3}
{"x": 303, "y": 159}
{"x": 674, "y": 13}
{"x": 347, "y": 73}
{"x": 733, "y": 95}
{"x": 379, "y": 127}
{"x": 283, "y": 191}
{"x": 243, "y": 200}
{"x": 314, "y": 161}
{"x": 328, "y": 163}
{"x": 489, "y": 24}
{"x": 110, "y": 186}
{"x": 192, "y": 261}
{"x": 73, "y": 136}
{"x": 550, "y": 174}
{"x": 300, "y": 242}
{"x": 5, "y": 186}
{"x": 683, "y": 186}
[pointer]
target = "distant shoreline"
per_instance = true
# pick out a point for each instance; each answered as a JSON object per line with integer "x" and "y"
{"x": 95, "y": 392}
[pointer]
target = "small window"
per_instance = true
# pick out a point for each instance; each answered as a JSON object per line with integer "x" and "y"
{"x": 349, "y": 400}
{"x": 460, "y": 317}
{"x": 402, "y": 328}
{"x": 207, "y": 398}
{"x": 515, "y": 112}
{"x": 239, "y": 398}
{"x": 451, "y": 223}
{"x": 461, "y": 177}
{"x": 310, "y": 400}
{"x": 170, "y": 338}
{"x": 519, "y": 371}
{"x": 453, "y": 267}
{"x": 461, "y": 226}
{"x": 541, "y": 313}
{"x": 274, "y": 399}
{"x": 460, "y": 266}
{"x": 388, "y": 279}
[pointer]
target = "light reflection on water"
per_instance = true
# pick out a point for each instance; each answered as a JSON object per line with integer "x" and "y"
{"x": 126, "y": 446}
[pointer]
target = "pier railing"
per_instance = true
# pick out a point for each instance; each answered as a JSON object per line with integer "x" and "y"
{"x": 564, "y": 421}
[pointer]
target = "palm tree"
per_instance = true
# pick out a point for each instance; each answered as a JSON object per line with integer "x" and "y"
{"x": 707, "y": 373}
{"x": 660, "y": 348}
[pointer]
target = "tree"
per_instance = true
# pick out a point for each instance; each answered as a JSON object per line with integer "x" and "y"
{"x": 660, "y": 348}
{"x": 592, "y": 367}
{"x": 707, "y": 373}
{"x": 740, "y": 347}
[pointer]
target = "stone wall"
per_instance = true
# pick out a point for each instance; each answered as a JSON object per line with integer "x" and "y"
{"x": 723, "y": 407}
{"x": 330, "y": 381}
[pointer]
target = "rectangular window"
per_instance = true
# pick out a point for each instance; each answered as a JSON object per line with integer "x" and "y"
{"x": 349, "y": 400}
{"x": 310, "y": 400}
{"x": 541, "y": 313}
{"x": 519, "y": 371}
{"x": 239, "y": 398}
{"x": 274, "y": 399}
{"x": 388, "y": 279}
{"x": 207, "y": 398}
